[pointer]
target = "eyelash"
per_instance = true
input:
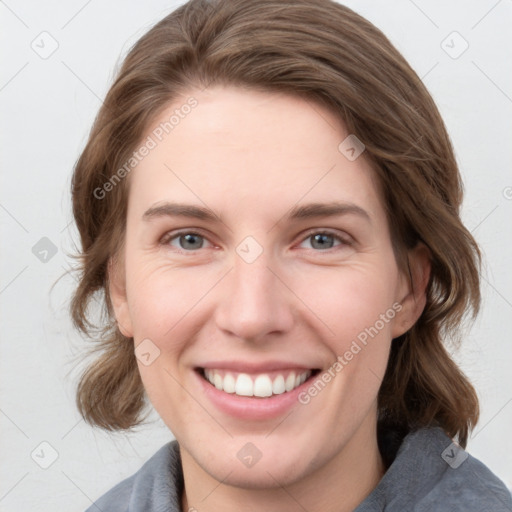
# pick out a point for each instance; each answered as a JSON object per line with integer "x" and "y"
{"x": 168, "y": 237}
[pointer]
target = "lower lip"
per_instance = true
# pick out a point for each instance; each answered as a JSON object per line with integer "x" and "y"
{"x": 252, "y": 408}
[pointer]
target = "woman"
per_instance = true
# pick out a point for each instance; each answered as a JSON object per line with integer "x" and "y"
{"x": 269, "y": 204}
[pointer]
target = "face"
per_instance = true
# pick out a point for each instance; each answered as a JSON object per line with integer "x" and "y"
{"x": 258, "y": 262}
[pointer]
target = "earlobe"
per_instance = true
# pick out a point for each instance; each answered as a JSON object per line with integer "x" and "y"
{"x": 118, "y": 298}
{"x": 413, "y": 293}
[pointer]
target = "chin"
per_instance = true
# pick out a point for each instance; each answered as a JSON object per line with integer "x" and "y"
{"x": 265, "y": 474}
{"x": 256, "y": 462}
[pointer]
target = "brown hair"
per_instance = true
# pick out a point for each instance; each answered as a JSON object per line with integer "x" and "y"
{"x": 326, "y": 53}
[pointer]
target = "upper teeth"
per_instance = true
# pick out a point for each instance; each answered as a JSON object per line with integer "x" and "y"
{"x": 261, "y": 385}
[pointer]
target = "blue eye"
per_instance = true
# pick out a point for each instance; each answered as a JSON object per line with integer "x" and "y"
{"x": 323, "y": 241}
{"x": 191, "y": 241}
{"x": 187, "y": 241}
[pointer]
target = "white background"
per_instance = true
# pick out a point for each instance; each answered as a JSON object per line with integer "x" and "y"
{"x": 48, "y": 106}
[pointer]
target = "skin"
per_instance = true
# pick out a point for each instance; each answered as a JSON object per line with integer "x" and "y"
{"x": 251, "y": 157}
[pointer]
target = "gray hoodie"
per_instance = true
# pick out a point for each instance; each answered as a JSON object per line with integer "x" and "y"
{"x": 429, "y": 474}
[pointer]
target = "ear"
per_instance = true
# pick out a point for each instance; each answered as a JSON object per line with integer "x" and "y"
{"x": 118, "y": 298}
{"x": 412, "y": 289}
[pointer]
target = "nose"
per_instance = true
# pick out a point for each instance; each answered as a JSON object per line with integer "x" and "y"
{"x": 255, "y": 302}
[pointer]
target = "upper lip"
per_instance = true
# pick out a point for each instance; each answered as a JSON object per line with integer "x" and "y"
{"x": 246, "y": 367}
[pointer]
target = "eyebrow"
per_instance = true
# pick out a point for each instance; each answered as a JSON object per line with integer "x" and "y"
{"x": 167, "y": 209}
{"x": 332, "y": 209}
{"x": 308, "y": 211}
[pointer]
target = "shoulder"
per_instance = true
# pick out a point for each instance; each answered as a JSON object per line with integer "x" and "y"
{"x": 456, "y": 481}
{"x": 432, "y": 473}
{"x": 470, "y": 486}
{"x": 158, "y": 481}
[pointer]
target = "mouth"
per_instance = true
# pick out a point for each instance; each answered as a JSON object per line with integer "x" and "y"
{"x": 257, "y": 385}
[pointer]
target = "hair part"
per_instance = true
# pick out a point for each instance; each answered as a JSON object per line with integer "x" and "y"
{"x": 325, "y": 53}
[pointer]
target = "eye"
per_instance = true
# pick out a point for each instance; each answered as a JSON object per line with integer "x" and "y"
{"x": 186, "y": 241}
{"x": 322, "y": 240}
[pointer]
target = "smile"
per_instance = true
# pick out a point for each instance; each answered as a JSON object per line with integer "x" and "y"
{"x": 261, "y": 385}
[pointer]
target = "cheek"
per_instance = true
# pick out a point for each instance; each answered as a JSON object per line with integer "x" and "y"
{"x": 356, "y": 305}
{"x": 163, "y": 299}
{"x": 350, "y": 300}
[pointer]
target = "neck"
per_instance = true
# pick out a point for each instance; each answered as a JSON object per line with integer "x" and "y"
{"x": 338, "y": 486}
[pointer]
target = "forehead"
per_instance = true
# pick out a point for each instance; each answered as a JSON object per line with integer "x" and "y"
{"x": 261, "y": 149}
